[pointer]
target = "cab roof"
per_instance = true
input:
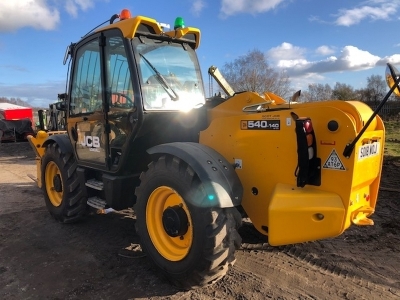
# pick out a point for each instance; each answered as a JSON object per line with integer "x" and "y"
{"x": 140, "y": 25}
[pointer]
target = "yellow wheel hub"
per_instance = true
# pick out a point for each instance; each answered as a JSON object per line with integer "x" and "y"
{"x": 53, "y": 181}
{"x": 162, "y": 203}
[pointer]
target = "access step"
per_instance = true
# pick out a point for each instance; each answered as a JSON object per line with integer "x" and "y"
{"x": 95, "y": 184}
{"x": 96, "y": 202}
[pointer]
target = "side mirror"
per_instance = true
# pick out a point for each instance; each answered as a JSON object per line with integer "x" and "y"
{"x": 296, "y": 96}
{"x": 392, "y": 75}
{"x": 68, "y": 52}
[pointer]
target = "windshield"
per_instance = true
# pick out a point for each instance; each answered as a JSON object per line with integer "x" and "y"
{"x": 170, "y": 76}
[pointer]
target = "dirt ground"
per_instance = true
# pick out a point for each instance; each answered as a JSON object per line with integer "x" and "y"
{"x": 42, "y": 259}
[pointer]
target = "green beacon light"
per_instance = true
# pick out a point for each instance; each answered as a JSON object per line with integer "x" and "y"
{"x": 179, "y": 23}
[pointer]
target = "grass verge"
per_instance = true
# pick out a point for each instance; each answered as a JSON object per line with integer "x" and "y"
{"x": 392, "y": 143}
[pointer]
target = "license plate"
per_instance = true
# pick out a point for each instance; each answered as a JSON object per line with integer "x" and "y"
{"x": 369, "y": 150}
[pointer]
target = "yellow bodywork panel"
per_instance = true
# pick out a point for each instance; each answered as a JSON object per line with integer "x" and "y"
{"x": 37, "y": 146}
{"x": 263, "y": 146}
{"x": 314, "y": 213}
{"x": 37, "y": 142}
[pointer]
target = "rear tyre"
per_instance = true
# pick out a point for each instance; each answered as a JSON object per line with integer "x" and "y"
{"x": 193, "y": 246}
{"x": 63, "y": 193}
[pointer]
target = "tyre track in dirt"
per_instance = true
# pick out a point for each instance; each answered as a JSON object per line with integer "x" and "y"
{"x": 80, "y": 261}
{"x": 298, "y": 276}
{"x": 293, "y": 272}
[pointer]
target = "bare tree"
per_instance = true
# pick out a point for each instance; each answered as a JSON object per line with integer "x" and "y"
{"x": 343, "y": 91}
{"x": 251, "y": 72}
{"x": 363, "y": 94}
{"x": 376, "y": 87}
{"x": 317, "y": 92}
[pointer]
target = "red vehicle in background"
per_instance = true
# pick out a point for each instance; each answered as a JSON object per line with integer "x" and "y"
{"x": 15, "y": 122}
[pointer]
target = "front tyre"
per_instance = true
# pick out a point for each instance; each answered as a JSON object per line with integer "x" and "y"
{"x": 63, "y": 193}
{"x": 192, "y": 245}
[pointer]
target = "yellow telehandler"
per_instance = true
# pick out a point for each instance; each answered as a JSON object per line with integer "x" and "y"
{"x": 140, "y": 133}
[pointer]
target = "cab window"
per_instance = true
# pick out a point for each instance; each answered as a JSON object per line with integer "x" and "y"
{"x": 86, "y": 82}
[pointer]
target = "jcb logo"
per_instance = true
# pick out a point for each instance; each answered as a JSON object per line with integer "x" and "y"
{"x": 91, "y": 141}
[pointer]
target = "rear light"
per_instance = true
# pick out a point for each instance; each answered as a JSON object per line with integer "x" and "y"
{"x": 310, "y": 152}
{"x": 308, "y": 126}
{"x": 308, "y": 169}
{"x": 310, "y": 139}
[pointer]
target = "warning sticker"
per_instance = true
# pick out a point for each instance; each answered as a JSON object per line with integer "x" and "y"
{"x": 333, "y": 162}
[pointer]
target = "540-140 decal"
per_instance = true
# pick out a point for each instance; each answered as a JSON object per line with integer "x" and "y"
{"x": 260, "y": 124}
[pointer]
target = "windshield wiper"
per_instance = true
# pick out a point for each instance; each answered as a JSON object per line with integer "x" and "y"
{"x": 174, "y": 96}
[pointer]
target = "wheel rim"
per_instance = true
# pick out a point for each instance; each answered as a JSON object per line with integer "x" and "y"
{"x": 54, "y": 192}
{"x": 171, "y": 248}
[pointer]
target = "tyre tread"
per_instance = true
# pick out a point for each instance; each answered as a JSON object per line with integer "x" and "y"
{"x": 73, "y": 199}
{"x": 221, "y": 236}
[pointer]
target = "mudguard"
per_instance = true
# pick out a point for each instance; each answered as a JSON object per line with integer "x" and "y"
{"x": 218, "y": 176}
{"x": 62, "y": 140}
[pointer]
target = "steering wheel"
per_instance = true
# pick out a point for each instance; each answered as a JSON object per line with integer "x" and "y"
{"x": 128, "y": 103}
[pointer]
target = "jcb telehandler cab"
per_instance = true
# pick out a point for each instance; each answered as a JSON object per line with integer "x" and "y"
{"x": 140, "y": 133}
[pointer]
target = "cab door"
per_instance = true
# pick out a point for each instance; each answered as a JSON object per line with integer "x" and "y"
{"x": 87, "y": 120}
{"x": 122, "y": 112}
{"x": 101, "y": 100}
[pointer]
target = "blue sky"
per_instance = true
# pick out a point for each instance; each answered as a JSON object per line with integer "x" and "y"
{"x": 314, "y": 41}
